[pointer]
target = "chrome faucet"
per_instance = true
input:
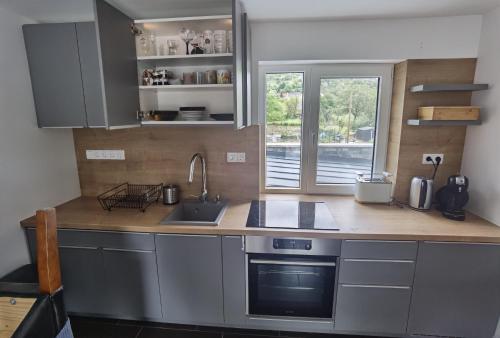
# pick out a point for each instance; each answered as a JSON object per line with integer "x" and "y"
{"x": 204, "y": 192}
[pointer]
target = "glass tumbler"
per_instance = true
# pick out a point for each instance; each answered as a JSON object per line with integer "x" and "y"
{"x": 220, "y": 45}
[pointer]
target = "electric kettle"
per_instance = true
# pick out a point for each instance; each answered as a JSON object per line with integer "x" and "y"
{"x": 421, "y": 193}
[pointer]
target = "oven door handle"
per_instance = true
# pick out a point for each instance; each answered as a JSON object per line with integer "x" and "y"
{"x": 276, "y": 262}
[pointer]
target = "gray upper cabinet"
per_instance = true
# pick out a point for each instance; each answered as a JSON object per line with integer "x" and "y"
{"x": 84, "y": 74}
{"x": 240, "y": 85}
{"x": 190, "y": 273}
{"x": 91, "y": 75}
{"x": 233, "y": 262}
{"x": 118, "y": 63}
{"x": 456, "y": 290}
{"x": 53, "y": 58}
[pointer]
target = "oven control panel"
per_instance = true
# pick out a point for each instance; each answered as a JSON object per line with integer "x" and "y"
{"x": 292, "y": 244}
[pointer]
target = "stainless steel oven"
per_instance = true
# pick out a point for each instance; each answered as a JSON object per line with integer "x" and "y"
{"x": 291, "y": 277}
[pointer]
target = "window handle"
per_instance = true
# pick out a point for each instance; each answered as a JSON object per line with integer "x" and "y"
{"x": 313, "y": 136}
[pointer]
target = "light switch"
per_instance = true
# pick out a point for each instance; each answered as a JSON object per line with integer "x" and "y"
{"x": 105, "y": 154}
{"x": 236, "y": 157}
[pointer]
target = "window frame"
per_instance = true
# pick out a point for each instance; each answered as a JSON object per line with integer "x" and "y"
{"x": 310, "y": 113}
{"x": 306, "y": 104}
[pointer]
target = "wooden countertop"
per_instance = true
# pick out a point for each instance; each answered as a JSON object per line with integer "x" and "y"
{"x": 354, "y": 220}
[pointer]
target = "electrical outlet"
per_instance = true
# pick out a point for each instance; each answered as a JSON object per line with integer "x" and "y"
{"x": 236, "y": 157}
{"x": 105, "y": 154}
{"x": 433, "y": 156}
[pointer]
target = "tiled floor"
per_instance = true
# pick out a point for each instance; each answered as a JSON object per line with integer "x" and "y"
{"x": 107, "y": 328}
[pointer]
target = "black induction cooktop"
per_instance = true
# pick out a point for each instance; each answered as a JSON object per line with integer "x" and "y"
{"x": 290, "y": 215}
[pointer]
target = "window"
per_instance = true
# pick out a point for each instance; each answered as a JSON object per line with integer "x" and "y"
{"x": 323, "y": 124}
{"x": 284, "y": 115}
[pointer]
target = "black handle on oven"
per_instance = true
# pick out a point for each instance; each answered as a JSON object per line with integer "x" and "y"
{"x": 298, "y": 263}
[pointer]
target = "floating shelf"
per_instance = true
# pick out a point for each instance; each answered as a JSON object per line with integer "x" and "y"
{"x": 189, "y": 18}
{"x": 443, "y": 123}
{"x": 188, "y": 60}
{"x": 445, "y": 87}
{"x": 186, "y": 123}
{"x": 191, "y": 56}
{"x": 188, "y": 87}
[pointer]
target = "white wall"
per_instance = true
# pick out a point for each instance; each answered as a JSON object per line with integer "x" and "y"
{"x": 481, "y": 162}
{"x": 37, "y": 166}
{"x": 389, "y": 39}
{"x": 421, "y": 38}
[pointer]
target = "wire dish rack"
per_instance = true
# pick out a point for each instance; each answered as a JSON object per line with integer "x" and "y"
{"x": 130, "y": 196}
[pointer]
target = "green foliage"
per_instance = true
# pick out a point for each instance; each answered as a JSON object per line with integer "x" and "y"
{"x": 346, "y": 104}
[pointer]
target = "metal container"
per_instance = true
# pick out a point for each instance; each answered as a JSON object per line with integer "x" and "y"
{"x": 421, "y": 193}
{"x": 170, "y": 194}
{"x": 199, "y": 78}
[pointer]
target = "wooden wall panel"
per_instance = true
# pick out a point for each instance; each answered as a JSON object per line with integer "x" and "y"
{"x": 396, "y": 120}
{"x": 155, "y": 155}
{"x": 414, "y": 141}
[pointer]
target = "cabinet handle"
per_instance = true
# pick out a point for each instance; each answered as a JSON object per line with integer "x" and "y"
{"x": 376, "y": 241}
{"x": 78, "y": 247}
{"x": 378, "y": 260}
{"x": 243, "y": 243}
{"x": 374, "y": 286}
{"x": 127, "y": 250}
{"x": 105, "y": 231}
{"x": 183, "y": 235}
{"x": 275, "y": 262}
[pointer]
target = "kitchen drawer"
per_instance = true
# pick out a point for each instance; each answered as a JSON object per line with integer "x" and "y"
{"x": 373, "y": 309}
{"x": 379, "y": 249}
{"x": 102, "y": 239}
{"x": 376, "y": 272}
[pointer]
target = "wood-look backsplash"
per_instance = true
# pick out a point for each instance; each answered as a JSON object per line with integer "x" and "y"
{"x": 156, "y": 155}
{"x": 407, "y": 144}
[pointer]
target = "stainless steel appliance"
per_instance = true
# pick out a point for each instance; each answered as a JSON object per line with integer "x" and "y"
{"x": 170, "y": 194}
{"x": 421, "y": 193}
{"x": 453, "y": 197}
{"x": 291, "y": 277}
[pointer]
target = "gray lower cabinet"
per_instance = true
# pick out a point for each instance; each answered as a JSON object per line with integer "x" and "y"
{"x": 456, "y": 290}
{"x": 112, "y": 274}
{"x": 375, "y": 286}
{"x": 132, "y": 277}
{"x": 190, "y": 273}
{"x": 233, "y": 263}
{"x": 82, "y": 271}
{"x": 372, "y": 308}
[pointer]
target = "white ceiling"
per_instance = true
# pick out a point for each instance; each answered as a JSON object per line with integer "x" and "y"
{"x": 68, "y": 10}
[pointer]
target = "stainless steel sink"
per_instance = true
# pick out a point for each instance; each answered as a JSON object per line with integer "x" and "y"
{"x": 195, "y": 212}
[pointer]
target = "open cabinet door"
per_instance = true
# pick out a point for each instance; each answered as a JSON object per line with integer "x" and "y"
{"x": 247, "y": 70}
{"x": 239, "y": 66}
{"x": 118, "y": 63}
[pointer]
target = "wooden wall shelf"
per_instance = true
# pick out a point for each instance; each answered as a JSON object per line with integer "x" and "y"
{"x": 443, "y": 123}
